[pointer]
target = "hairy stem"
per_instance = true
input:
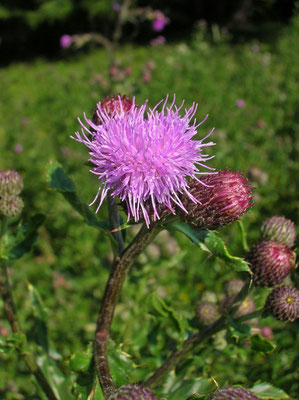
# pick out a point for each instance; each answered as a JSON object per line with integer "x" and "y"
{"x": 194, "y": 340}
{"x": 10, "y": 310}
{"x": 116, "y": 279}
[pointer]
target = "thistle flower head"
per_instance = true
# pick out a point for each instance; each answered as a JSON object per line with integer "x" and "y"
{"x": 144, "y": 156}
{"x": 206, "y": 312}
{"x": 11, "y": 182}
{"x": 233, "y": 393}
{"x": 132, "y": 392}
{"x": 11, "y": 206}
{"x": 283, "y": 303}
{"x": 270, "y": 262}
{"x": 221, "y": 199}
{"x": 279, "y": 229}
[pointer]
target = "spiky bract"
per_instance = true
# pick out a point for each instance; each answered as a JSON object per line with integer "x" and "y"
{"x": 279, "y": 229}
{"x": 283, "y": 303}
{"x": 233, "y": 393}
{"x": 133, "y": 392}
{"x": 270, "y": 262}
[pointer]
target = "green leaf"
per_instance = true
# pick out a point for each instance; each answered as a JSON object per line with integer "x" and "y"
{"x": 80, "y": 362}
{"x": 198, "y": 387}
{"x": 40, "y": 328}
{"x": 60, "y": 181}
{"x": 121, "y": 365}
{"x": 210, "y": 242}
{"x": 238, "y": 330}
{"x": 266, "y": 391}
{"x": 158, "y": 307}
{"x": 259, "y": 343}
{"x": 25, "y": 238}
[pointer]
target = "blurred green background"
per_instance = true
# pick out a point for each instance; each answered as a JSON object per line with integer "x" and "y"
{"x": 244, "y": 76}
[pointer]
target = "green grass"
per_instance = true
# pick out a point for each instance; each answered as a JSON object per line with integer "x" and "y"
{"x": 69, "y": 265}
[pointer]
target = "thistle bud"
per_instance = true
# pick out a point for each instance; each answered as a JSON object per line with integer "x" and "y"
{"x": 222, "y": 198}
{"x": 233, "y": 393}
{"x": 132, "y": 392}
{"x": 110, "y": 105}
{"x": 279, "y": 229}
{"x": 206, "y": 312}
{"x": 11, "y": 183}
{"x": 11, "y": 206}
{"x": 270, "y": 262}
{"x": 283, "y": 303}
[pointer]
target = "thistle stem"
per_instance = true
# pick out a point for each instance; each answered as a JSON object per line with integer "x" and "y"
{"x": 194, "y": 340}
{"x": 116, "y": 279}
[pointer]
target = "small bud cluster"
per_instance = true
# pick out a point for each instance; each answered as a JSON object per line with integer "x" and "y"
{"x": 222, "y": 198}
{"x": 283, "y": 303}
{"x": 11, "y": 185}
{"x": 133, "y": 392}
{"x": 233, "y": 393}
{"x": 272, "y": 259}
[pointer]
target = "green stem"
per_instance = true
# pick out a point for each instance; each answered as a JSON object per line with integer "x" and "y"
{"x": 189, "y": 344}
{"x": 115, "y": 282}
{"x": 243, "y": 236}
{"x": 252, "y": 315}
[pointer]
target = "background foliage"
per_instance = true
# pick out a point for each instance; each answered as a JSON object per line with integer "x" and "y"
{"x": 40, "y": 102}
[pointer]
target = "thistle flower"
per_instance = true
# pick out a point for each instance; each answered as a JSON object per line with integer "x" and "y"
{"x": 132, "y": 392}
{"x": 206, "y": 312}
{"x": 160, "y": 21}
{"x": 233, "y": 393}
{"x": 143, "y": 159}
{"x": 10, "y": 206}
{"x": 224, "y": 197}
{"x": 283, "y": 303}
{"x": 66, "y": 41}
{"x": 11, "y": 182}
{"x": 270, "y": 262}
{"x": 279, "y": 229}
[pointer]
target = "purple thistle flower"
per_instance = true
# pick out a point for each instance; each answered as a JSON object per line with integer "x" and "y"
{"x": 133, "y": 392}
{"x": 143, "y": 159}
{"x": 116, "y": 6}
{"x": 66, "y": 41}
{"x": 240, "y": 103}
{"x": 283, "y": 303}
{"x": 159, "y": 21}
{"x": 158, "y": 40}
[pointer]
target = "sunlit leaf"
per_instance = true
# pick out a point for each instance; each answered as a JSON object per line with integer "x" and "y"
{"x": 60, "y": 181}
{"x": 268, "y": 392}
{"x": 210, "y": 242}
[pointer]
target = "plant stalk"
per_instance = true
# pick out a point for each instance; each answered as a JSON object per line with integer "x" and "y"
{"x": 116, "y": 279}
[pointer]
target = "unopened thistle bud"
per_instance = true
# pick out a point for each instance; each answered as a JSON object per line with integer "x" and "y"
{"x": 270, "y": 262}
{"x": 206, "y": 312}
{"x": 11, "y": 206}
{"x": 283, "y": 303}
{"x": 110, "y": 105}
{"x": 279, "y": 229}
{"x": 132, "y": 392}
{"x": 222, "y": 198}
{"x": 233, "y": 393}
{"x": 11, "y": 183}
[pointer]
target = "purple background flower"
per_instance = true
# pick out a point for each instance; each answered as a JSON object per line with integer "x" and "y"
{"x": 65, "y": 41}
